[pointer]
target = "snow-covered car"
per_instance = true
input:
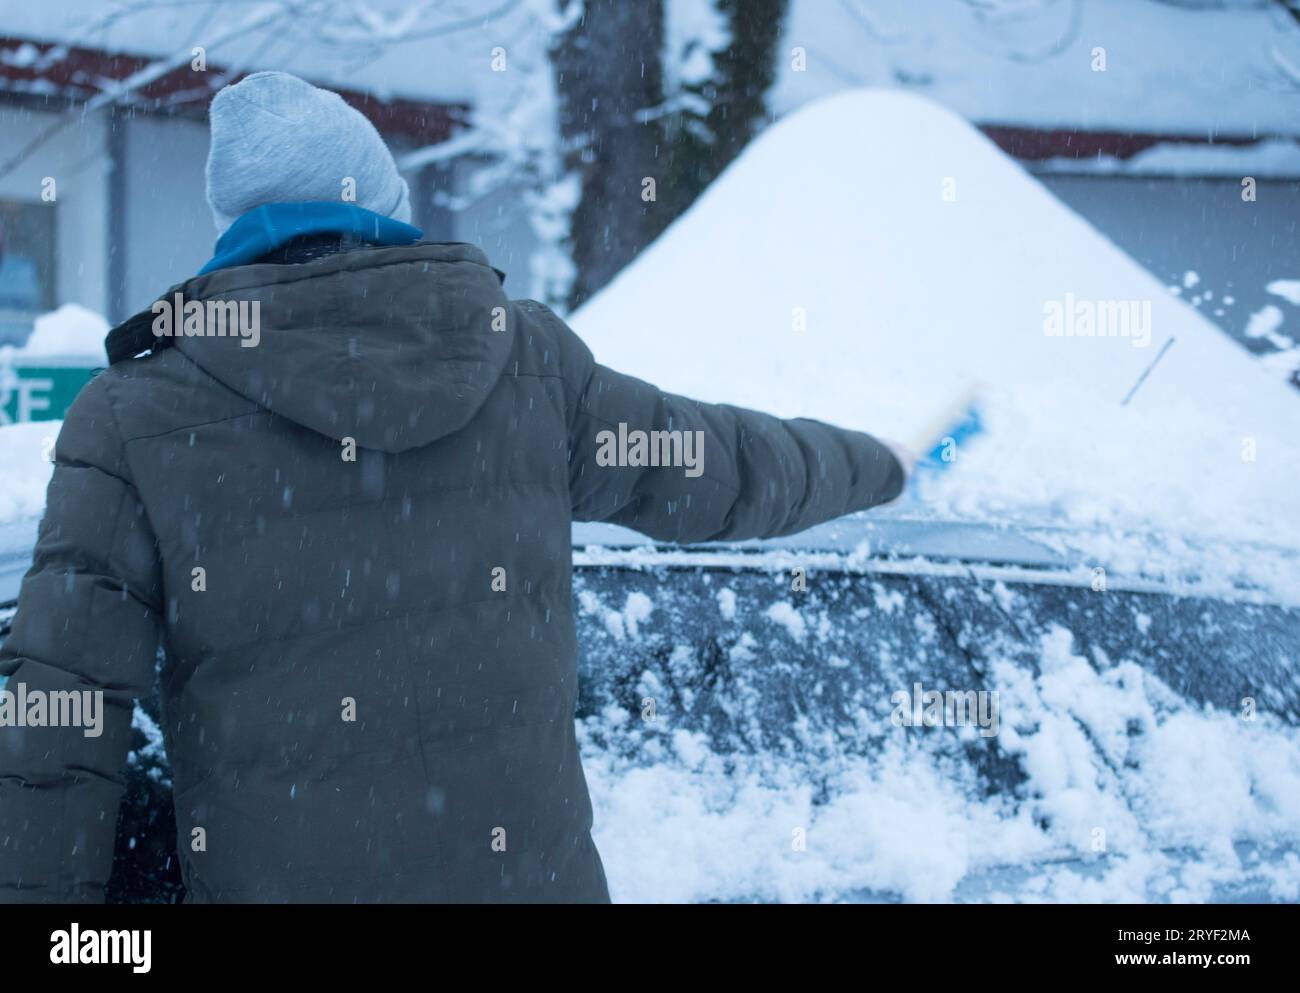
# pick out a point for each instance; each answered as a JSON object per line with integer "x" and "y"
{"x": 755, "y": 723}
{"x": 1124, "y": 736}
{"x": 1114, "y": 552}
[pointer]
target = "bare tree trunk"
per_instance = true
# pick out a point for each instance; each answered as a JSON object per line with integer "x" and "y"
{"x": 747, "y": 69}
{"x": 608, "y": 74}
{"x": 699, "y": 148}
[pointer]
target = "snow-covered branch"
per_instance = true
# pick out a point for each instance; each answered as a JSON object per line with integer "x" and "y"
{"x": 264, "y": 17}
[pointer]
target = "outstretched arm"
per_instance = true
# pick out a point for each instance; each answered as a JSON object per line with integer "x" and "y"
{"x": 751, "y": 475}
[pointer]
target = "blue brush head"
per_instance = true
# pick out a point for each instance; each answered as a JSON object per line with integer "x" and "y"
{"x": 944, "y": 452}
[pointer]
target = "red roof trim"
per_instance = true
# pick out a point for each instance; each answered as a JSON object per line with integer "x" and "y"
{"x": 1037, "y": 144}
{"x": 71, "y": 72}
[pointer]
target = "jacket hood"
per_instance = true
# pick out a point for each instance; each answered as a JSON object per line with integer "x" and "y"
{"x": 394, "y": 347}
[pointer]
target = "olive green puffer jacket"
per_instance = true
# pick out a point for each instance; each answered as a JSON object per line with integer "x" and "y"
{"x": 352, "y": 542}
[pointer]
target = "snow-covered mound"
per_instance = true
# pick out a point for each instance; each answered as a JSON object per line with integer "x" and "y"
{"x": 872, "y": 254}
{"x": 70, "y": 330}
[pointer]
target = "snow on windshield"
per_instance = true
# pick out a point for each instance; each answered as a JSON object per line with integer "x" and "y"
{"x": 911, "y": 260}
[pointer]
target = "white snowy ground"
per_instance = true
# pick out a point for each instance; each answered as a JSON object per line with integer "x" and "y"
{"x": 26, "y": 470}
{"x": 840, "y": 210}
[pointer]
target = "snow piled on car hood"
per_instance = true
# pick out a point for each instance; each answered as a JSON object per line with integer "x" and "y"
{"x": 1131, "y": 795}
{"x": 872, "y": 256}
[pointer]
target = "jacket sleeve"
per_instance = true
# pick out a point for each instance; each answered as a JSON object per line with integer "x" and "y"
{"x": 758, "y": 477}
{"x": 87, "y": 623}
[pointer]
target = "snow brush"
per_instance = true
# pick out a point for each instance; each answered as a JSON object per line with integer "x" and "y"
{"x": 959, "y": 421}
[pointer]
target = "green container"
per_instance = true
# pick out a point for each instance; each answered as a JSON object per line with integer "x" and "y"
{"x": 42, "y": 388}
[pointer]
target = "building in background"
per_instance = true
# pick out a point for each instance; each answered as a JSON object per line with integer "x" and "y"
{"x": 109, "y": 209}
{"x": 1145, "y": 116}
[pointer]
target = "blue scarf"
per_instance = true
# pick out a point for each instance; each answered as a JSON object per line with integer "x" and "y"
{"x": 273, "y": 224}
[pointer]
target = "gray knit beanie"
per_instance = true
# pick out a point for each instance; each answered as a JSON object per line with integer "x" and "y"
{"x": 278, "y": 139}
